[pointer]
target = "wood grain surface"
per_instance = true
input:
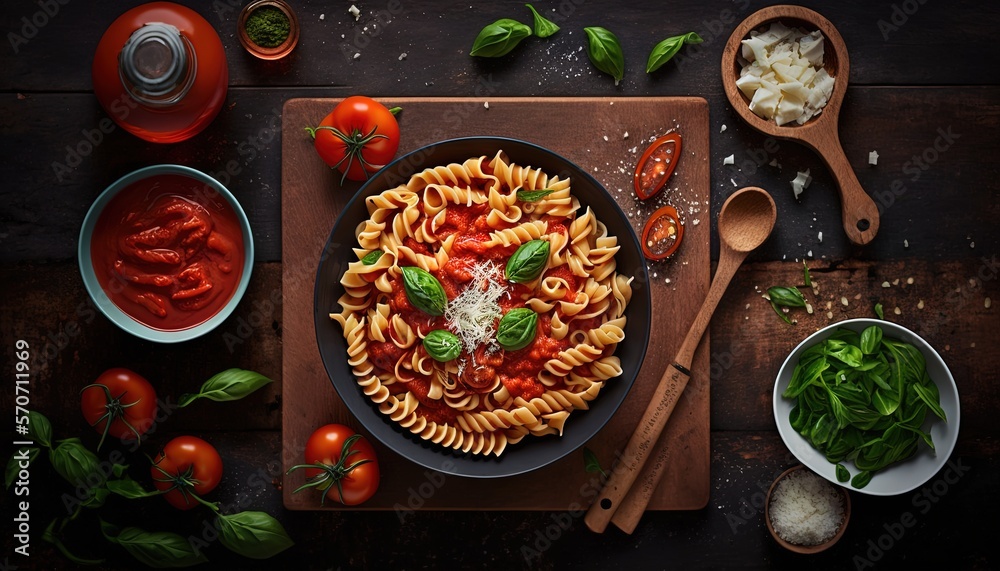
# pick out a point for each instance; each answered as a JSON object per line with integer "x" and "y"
{"x": 311, "y": 199}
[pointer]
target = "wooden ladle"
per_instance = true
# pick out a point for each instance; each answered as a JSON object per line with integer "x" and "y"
{"x": 745, "y": 221}
{"x": 859, "y": 213}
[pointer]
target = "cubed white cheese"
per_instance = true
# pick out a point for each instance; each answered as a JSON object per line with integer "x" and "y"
{"x": 800, "y": 182}
{"x": 811, "y": 48}
{"x": 765, "y": 100}
{"x": 730, "y": 160}
{"x": 873, "y": 158}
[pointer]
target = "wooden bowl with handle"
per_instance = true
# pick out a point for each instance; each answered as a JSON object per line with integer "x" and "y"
{"x": 859, "y": 212}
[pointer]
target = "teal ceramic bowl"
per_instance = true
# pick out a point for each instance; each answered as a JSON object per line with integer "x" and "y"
{"x": 116, "y": 314}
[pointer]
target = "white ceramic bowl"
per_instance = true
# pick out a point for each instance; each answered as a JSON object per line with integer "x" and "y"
{"x": 898, "y": 478}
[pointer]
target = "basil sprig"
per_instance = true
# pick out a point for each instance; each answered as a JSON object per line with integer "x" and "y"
{"x": 442, "y": 345}
{"x": 229, "y": 385}
{"x": 605, "y": 52}
{"x": 543, "y": 26}
{"x": 253, "y": 534}
{"x": 372, "y": 257}
{"x": 499, "y": 38}
{"x": 39, "y": 428}
{"x": 528, "y": 261}
{"x": 424, "y": 291}
{"x": 74, "y": 462}
{"x": 863, "y": 398}
{"x": 517, "y": 329}
{"x": 785, "y": 297}
{"x": 533, "y": 195}
{"x": 668, "y": 48}
{"x": 159, "y": 549}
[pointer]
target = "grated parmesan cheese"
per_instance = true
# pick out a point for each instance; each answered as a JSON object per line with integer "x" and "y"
{"x": 473, "y": 313}
{"x": 805, "y": 509}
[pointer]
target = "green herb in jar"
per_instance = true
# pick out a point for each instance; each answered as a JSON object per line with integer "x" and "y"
{"x": 268, "y": 27}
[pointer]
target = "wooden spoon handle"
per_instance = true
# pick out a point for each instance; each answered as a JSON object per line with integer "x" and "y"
{"x": 633, "y": 505}
{"x": 644, "y": 438}
{"x": 858, "y": 211}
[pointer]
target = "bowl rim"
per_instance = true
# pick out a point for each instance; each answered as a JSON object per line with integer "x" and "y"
{"x": 100, "y": 298}
{"x": 795, "y": 547}
{"x": 449, "y": 461}
{"x": 799, "y": 446}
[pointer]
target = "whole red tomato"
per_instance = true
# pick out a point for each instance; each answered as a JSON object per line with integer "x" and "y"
{"x": 359, "y": 137}
{"x": 187, "y": 465}
{"x": 121, "y": 403}
{"x": 342, "y": 464}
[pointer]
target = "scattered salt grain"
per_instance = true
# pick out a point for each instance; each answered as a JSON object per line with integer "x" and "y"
{"x": 805, "y": 509}
{"x": 322, "y": 17}
{"x": 906, "y": 243}
{"x": 820, "y": 236}
{"x": 873, "y": 158}
{"x": 357, "y": 55}
{"x": 402, "y": 56}
{"x": 723, "y": 128}
{"x": 987, "y": 303}
{"x": 625, "y": 136}
{"x": 486, "y": 104}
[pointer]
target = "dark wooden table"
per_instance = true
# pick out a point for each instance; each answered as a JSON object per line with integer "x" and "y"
{"x": 923, "y": 94}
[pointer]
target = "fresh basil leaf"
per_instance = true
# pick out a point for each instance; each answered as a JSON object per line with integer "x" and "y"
{"x": 39, "y": 428}
{"x": 499, "y": 38}
{"x": 591, "y": 463}
{"x": 605, "y": 52}
{"x": 424, "y": 291}
{"x": 843, "y": 474}
{"x": 158, "y": 549}
{"x": 886, "y": 402}
{"x": 25, "y": 455}
{"x": 871, "y": 339}
{"x": 129, "y": 488}
{"x": 528, "y": 262}
{"x": 253, "y": 534}
{"x": 668, "y": 48}
{"x": 533, "y": 195}
{"x": 75, "y": 463}
{"x": 786, "y": 296}
{"x": 929, "y": 399}
{"x": 878, "y": 311}
{"x": 442, "y": 345}
{"x": 229, "y": 385}
{"x": 372, "y": 257}
{"x": 780, "y": 313}
{"x": 517, "y": 329}
{"x": 543, "y": 26}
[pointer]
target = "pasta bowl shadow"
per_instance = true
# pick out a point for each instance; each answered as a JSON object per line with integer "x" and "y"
{"x": 532, "y": 452}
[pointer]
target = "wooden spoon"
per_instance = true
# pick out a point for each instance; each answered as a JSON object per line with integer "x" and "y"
{"x": 745, "y": 221}
{"x": 859, "y": 213}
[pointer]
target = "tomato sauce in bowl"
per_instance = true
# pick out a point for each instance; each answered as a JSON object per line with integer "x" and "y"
{"x": 166, "y": 253}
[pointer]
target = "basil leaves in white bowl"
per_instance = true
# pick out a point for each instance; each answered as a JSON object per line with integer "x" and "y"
{"x": 869, "y": 405}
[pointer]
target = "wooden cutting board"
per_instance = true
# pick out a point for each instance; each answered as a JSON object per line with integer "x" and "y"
{"x": 606, "y": 136}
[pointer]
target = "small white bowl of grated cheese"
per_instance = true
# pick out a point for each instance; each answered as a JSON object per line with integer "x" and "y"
{"x": 804, "y": 512}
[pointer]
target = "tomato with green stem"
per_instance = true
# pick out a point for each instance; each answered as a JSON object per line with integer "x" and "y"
{"x": 121, "y": 403}
{"x": 341, "y": 463}
{"x": 359, "y": 137}
{"x": 186, "y": 469}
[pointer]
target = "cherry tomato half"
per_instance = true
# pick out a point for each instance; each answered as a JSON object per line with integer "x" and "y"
{"x": 656, "y": 165}
{"x": 359, "y": 137}
{"x": 342, "y": 464}
{"x": 187, "y": 465}
{"x": 121, "y": 403}
{"x": 662, "y": 234}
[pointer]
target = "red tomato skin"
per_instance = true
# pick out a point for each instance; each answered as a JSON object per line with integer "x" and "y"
{"x": 671, "y": 213}
{"x": 672, "y": 141}
{"x": 130, "y": 387}
{"x": 177, "y": 457}
{"x": 324, "y": 447}
{"x": 358, "y": 116}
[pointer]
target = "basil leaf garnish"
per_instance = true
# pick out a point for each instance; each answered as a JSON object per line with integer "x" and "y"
{"x": 543, "y": 27}
{"x": 605, "y": 52}
{"x": 424, "y": 291}
{"x": 528, "y": 261}
{"x": 533, "y": 195}
{"x": 442, "y": 345}
{"x": 229, "y": 385}
{"x": 256, "y": 535}
{"x": 499, "y": 38}
{"x": 75, "y": 463}
{"x": 668, "y": 48}
{"x": 517, "y": 329}
{"x": 157, "y": 549}
{"x": 842, "y": 474}
{"x": 372, "y": 257}
{"x": 786, "y": 296}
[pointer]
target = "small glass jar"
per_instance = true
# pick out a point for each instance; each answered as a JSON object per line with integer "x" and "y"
{"x": 268, "y": 52}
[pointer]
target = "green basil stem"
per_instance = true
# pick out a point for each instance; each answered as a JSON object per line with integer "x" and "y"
{"x": 805, "y": 274}
{"x": 229, "y": 385}
{"x": 543, "y": 26}
{"x": 499, "y": 38}
{"x": 605, "y": 52}
{"x": 668, "y": 48}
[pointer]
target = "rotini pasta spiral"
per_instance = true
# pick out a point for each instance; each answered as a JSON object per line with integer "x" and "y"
{"x": 461, "y": 223}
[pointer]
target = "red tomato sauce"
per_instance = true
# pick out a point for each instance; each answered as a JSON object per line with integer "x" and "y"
{"x": 168, "y": 251}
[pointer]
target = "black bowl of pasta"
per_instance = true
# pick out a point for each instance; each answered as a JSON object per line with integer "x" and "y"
{"x": 482, "y": 306}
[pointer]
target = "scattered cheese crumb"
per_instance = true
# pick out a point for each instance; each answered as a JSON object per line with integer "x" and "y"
{"x": 625, "y": 136}
{"x": 820, "y": 236}
{"x": 829, "y": 315}
{"x": 886, "y": 284}
{"x": 357, "y": 55}
{"x": 801, "y": 182}
{"x": 906, "y": 243}
{"x": 909, "y": 281}
{"x": 734, "y": 182}
{"x": 987, "y": 303}
{"x": 402, "y": 56}
{"x": 897, "y": 311}
{"x": 605, "y": 137}
{"x": 486, "y": 104}
{"x": 873, "y": 158}
{"x": 775, "y": 163}
{"x": 322, "y": 17}
{"x": 730, "y": 160}
{"x": 723, "y": 128}
{"x": 809, "y": 308}
{"x": 920, "y": 304}
{"x": 843, "y": 300}
{"x": 354, "y": 12}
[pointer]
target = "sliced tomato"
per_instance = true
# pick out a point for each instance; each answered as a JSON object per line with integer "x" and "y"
{"x": 662, "y": 234}
{"x": 656, "y": 165}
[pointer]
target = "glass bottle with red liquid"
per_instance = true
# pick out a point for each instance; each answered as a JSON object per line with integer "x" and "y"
{"x": 160, "y": 72}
